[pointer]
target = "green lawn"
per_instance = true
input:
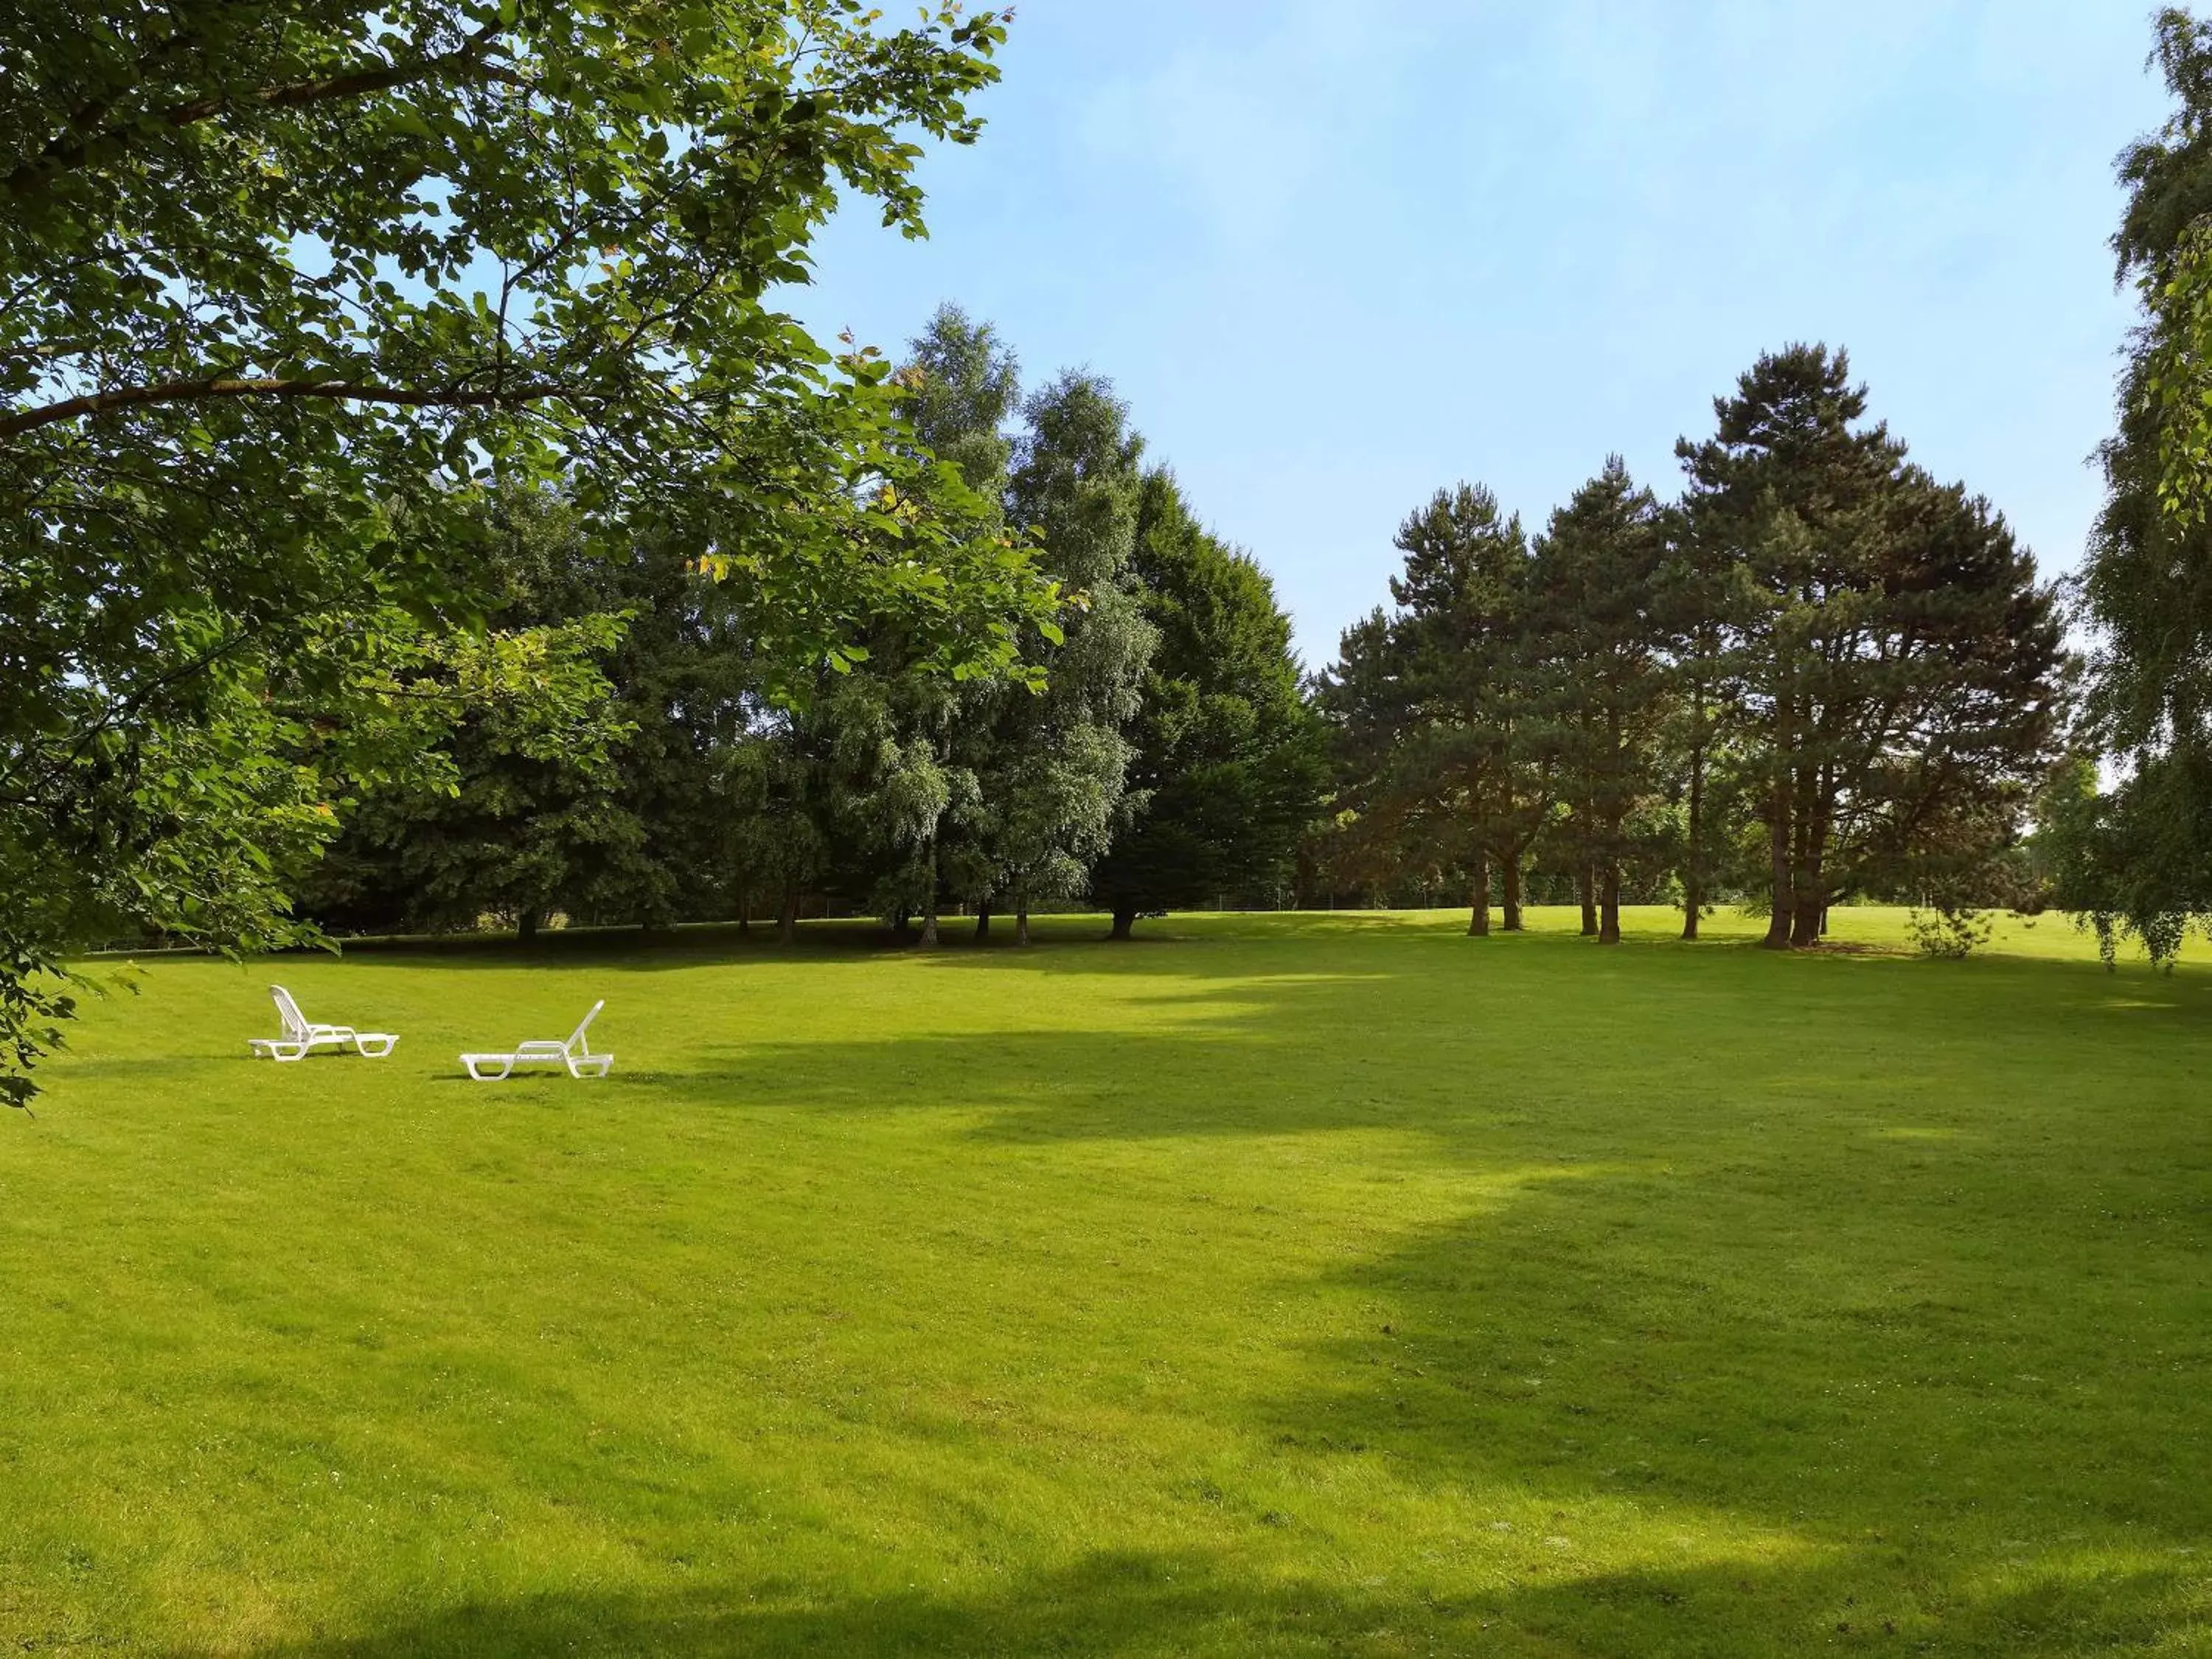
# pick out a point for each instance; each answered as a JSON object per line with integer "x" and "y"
{"x": 1272, "y": 1286}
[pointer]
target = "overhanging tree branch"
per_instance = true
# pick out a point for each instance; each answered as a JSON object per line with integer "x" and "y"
{"x": 70, "y": 149}
{"x": 213, "y": 387}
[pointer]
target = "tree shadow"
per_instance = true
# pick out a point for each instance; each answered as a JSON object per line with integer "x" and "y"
{"x": 694, "y": 945}
{"x": 1968, "y": 1400}
{"x": 1116, "y": 1605}
{"x": 1900, "y": 1292}
{"x": 1445, "y": 1037}
{"x": 1882, "y": 1294}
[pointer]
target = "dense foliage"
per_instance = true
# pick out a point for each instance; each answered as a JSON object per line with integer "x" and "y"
{"x": 2138, "y": 859}
{"x": 285, "y": 289}
{"x": 1155, "y": 751}
{"x": 1822, "y": 675}
{"x": 1226, "y": 754}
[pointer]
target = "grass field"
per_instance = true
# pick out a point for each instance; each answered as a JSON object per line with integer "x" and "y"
{"x": 1272, "y": 1285}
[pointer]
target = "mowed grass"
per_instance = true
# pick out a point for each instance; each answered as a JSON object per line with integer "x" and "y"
{"x": 1272, "y": 1286}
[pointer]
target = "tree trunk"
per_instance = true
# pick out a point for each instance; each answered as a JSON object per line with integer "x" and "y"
{"x": 1801, "y": 863}
{"x": 525, "y": 926}
{"x": 787, "y": 919}
{"x": 1693, "y": 863}
{"x": 1586, "y": 891}
{"x": 1022, "y": 916}
{"x": 1780, "y": 800}
{"x": 1512, "y": 899}
{"x": 1778, "y": 847}
{"x": 929, "y": 913}
{"x": 982, "y": 921}
{"x": 1124, "y": 922}
{"x": 1808, "y": 877}
{"x": 1608, "y": 926}
{"x": 1810, "y": 919}
{"x": 1478, "y": 924}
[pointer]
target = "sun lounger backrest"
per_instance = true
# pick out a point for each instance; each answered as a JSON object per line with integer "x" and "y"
{"x": 295, "y": 1023}
{"x": 575, "y": 1044}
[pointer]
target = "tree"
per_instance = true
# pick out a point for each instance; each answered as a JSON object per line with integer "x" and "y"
{"x": 1597, "y": 580}
{"x": 1225, "y": 754}
{"x": 1436, "y": 706}
{"x": 1695, "y": 598}
{"x": 1390, "y": 815}
{"x": 1896, "y": 663}
{"x": 1053, "y": 764}
{"x": 277, "y": 278}
{"x": 963, "y": 388}
{"x": 604, "y": 822}
{"x": 2138, "y": 858}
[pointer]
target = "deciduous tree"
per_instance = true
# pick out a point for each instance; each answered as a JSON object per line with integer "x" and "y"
{"x": 1052, "y": 766}
{"x": 275, "y": 278}
{"x": 2138, "y": 857}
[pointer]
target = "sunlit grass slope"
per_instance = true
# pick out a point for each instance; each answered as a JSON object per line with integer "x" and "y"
{"x": 1301, "y": 1284}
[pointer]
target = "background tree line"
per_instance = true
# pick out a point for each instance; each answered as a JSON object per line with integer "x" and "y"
{"x": 1819, "y": 675}
{"x": 1159, "y": 753}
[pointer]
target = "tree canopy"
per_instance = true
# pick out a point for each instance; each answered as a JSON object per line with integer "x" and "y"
{"x": 1822, "y": 674}
{"x": 1225, "y": 759}
{"x": 284, "y": 287}
{"x": 1894, "y": 659}
{"x": 2138, "y": 859}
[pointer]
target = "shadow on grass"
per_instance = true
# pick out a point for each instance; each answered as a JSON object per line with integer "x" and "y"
{"x": 1903, "y": 1291}
{"x": 1905, "y": 1288}
{"x": 689, "y": 944}
{"x": 1060, "y": 942}
{"x": 1444, "y": 1036}
{"x": 1159, "y": 1603}
{"x": 1925, "y": 1415}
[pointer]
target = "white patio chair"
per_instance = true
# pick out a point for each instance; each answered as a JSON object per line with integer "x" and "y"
{"x": 301, "y": 1038}
{"x": 575, "y": 1053}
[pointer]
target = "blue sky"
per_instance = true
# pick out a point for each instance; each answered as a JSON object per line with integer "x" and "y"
{"x": 1335, "y": 257}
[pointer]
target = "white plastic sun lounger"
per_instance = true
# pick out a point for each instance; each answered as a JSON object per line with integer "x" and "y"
{"x": 301, "y": 1038}
{"x": 575, "y": 1053}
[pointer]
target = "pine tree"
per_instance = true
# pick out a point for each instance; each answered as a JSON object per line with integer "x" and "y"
{"x": 1438, "y": 708}
{"x": 1598, "y": 573}
{"x": 1894, "y": 661}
